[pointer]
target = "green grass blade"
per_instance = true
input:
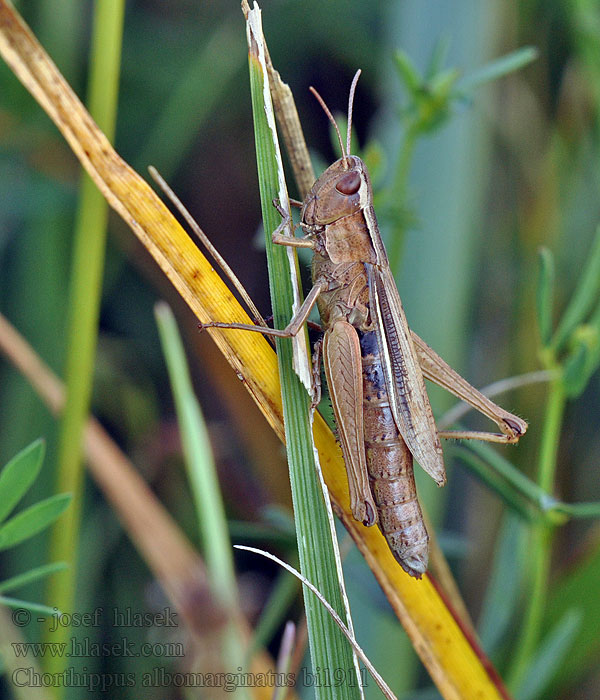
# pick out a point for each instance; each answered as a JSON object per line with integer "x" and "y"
{"x": 280, "y": 599}
{"x": 32, "y": 520}
{"x": 494, "y": 475}
{"x": 17, "y": 476}
{"x": 199, "y": 461}
{"x": 517, "y": 481}
{"x": 83, "y": 312}
{"x": 407, "y": 71}
{"x": 329, "y": 648}
{"x": 498, "y": 69}
{"x": 550, "y": 656}
{"x": 502, "y": 593}
{"x": 577, "y": 590}
{"x": 579, "y": 510}
{"x": 16, "y": 604}
{"x": 204, "y": 482}
{"x": 30, "y": 576}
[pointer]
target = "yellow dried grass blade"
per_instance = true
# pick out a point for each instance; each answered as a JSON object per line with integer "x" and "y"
{"x": 458, "y": 668}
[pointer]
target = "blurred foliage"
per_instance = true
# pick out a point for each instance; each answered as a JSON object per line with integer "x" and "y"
{"x": 16, "y": 478}
{"x": 510, "y": 169}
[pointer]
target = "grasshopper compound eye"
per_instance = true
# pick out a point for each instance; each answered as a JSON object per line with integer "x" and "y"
{"x": 348, "y": 184}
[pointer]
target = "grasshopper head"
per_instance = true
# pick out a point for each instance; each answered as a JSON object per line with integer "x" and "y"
{"x": 342, "y": 189}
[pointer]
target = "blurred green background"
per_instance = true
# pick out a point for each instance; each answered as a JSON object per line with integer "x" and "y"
{"x": 512, "y": 167}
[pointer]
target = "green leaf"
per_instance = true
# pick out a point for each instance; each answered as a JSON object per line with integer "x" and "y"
{"x": 407, "y": 71}
{"x": 441, "y": 84}
{"x": 584, "y": 297}
{"x": 499, "y": 68}
{"x": 32, "y": 575}
{"x": 204, "y": 482}
{"x": 579, "y": 510}
{"x": 545, "y": 295}
{"x": 501, "y": 596}
{"x": 582, "y": 361}
{"x": 15, "y": 603}
{"x": 550, "y": 656}
{"x": 18, "y": 475}
{"x": 438, "y": 58}
{"x": 501, "y": 476}
{"x": 33, "y": 520}
{"x": 328, "y": 647}
{"x": 282, "y": 594}
{"x": 578, "y": 589}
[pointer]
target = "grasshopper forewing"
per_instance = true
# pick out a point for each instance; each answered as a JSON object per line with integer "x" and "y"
{"x": 373, "y": 363}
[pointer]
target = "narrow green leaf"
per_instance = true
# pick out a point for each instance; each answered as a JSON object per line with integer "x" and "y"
{"x": 517, "y": 490}
{"x": 577, "y": 589}
{"x": 32, "y": 520}
{"x": 579, "y": 510}
{"x": 550, "y": 656}
{"x": 497, "y": 69}
{"x": 328, "y": 646}
{"x": 199, "y": 461}
{"x": 441, "y": 84}
{"x": 202, "y": 475}
{"x": 283, "y": 593}
{"x": 30, "y": 576}
{"x": 516, "y": 479}
{"x": 501, "y": 596}
{"x": 83, "y": 313}
{"x": 581, "y": 361}
{"x": 15, "y": 603}
{"x": 18, "y": 475}
{"x": 479, "y": 468}
{"x": 496, "y": 479}
{"x": 407, "y": 71}
{"x": 545, "y": 295}
{"x": 438, "y": 58}
{"x": 584, "y": 296}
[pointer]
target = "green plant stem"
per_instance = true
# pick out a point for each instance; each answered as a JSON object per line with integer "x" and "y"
{"x": 541, "y": 538}
{"x": 84, "y": 304}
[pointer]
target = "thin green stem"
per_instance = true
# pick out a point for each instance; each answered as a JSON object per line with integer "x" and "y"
{"x": 541, "y": 539}
{"x": 84, "y": 304}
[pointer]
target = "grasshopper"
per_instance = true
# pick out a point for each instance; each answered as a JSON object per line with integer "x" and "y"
{"x": 374, "y": 364}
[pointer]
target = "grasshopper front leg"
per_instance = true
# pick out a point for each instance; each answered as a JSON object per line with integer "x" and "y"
{"x": 280, "y": 238}
{"x": 293, "y": 327}
{"x": 301, "y": 316}
{"x": 440, "y": 372}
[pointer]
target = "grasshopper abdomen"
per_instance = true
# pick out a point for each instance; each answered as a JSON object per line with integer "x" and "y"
{"x": 390, "y": 467}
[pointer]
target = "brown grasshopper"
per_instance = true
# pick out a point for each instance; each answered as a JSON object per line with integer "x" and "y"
{"x": 374, "y": 364}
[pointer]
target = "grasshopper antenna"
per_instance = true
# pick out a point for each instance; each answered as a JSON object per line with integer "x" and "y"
{"x": 332, "y": 120}
{"x": 350, "y": 105}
